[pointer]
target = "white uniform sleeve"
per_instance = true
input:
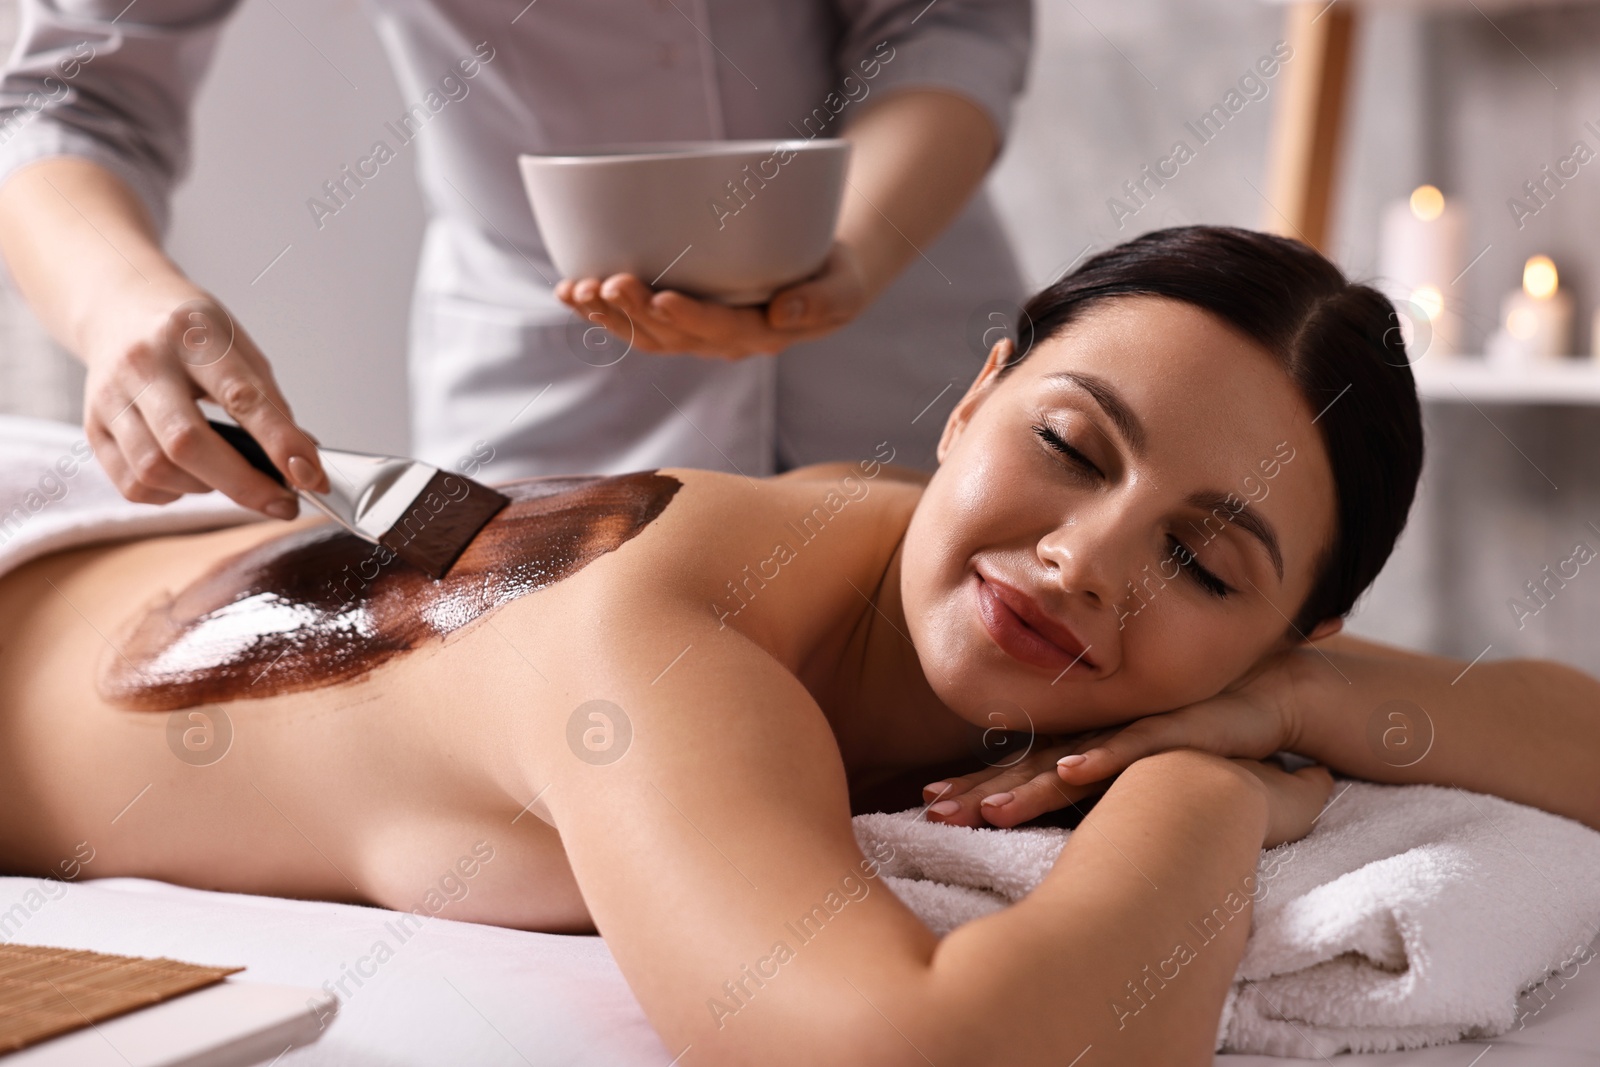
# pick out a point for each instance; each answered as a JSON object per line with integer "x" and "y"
{"x": 109, "y": 81}
{"x": 977, "y": 48}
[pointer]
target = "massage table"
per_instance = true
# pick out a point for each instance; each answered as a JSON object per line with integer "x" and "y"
{"x": 458, "y": 992}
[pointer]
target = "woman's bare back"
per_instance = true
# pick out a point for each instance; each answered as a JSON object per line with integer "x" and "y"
{"x": 384, "y": 766}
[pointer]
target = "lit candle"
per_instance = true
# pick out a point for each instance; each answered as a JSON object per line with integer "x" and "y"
{"x": 1419, "y": 256}
{"x": 1536, "y": 320}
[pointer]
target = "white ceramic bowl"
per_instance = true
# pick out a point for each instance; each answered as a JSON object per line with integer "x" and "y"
{"x": 731, "y": 221}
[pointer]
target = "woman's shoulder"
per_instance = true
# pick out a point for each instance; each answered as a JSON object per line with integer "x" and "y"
{"x": 731, "y": 507}
{"x": 785, "y": 547}
{"x": 863, "y": 470}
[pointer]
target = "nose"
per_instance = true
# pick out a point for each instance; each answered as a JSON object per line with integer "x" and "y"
{"x": 1093, "y": 554}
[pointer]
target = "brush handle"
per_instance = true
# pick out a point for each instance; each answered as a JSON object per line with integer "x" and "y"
{"x": 250, "y": 449}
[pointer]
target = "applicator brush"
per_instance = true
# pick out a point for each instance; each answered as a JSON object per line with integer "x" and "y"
{"x": 422, "y": 514}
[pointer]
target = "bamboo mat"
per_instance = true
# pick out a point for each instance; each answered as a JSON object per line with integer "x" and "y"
{"x": 49, "y": 991}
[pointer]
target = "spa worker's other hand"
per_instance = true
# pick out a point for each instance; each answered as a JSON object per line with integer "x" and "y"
{"x": 916, "y": 157}
{"x": 150, "y": 357}
{"x": 670, "y": 322}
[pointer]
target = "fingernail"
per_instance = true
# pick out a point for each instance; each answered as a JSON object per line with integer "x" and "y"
{"x": 936, "y": 787}
{"x": 283, "y": 508}
{"x": 945, "y": 807}
{"x": 995, "y": 800}
{"x": 302, "y": 473}
{"x": 793, "y": 309}
{"x": 1072, "y": 760}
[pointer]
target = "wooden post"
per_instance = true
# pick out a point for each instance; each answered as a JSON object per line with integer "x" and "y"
{"x": 1303, "y": 154}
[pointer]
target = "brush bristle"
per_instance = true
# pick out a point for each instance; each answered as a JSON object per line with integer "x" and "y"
{"x": 433, "y": 537}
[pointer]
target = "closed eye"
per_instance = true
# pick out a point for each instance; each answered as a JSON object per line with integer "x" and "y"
{"x": 1061, "y": 445}
{"x": 1197, "y": 570}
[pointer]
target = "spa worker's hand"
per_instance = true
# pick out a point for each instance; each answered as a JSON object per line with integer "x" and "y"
{"x": 670, "y": 322}
{"x": 916, "y": 156}
{"x": 84, "y": 251}
{"x": 150, "y": 357}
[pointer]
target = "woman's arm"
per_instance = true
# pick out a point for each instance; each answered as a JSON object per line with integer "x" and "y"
{"x": 1526, "y": 730}
{"x": 916, "y": 158}
{"x": 717, "y": 858}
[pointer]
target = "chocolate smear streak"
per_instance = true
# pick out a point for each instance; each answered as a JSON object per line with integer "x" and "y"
{"x": 321, "y": 606}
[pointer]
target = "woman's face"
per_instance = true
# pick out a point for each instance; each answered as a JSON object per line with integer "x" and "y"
{"x": 1124, "y": 524}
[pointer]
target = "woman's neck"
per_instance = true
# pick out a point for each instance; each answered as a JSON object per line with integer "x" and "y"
{"x": 872, "y": 687}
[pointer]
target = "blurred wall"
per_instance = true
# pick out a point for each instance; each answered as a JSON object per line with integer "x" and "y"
{"x": 300, "y": 88}
{"x": 37, "y": 377}
{"x": 1473, "y": 105}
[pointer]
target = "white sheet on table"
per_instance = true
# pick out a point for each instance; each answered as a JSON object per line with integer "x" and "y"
{"x": 462, "y": 993}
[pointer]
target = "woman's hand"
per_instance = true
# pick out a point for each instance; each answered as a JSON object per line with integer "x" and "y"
{"x": 669, "y": 322}
{"x": 1254, "y": 719}
{"x": 149, "y": 358}
{"x": 1008, "y": 795}
{"x": 1294, "y": 799}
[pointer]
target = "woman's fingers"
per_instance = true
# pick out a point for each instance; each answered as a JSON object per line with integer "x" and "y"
{"x": 1004, "y": 798}
{"x": 1229, "y": 725}
{"x": 1114, "y": 754}
{"x": 1043, "y": 793}
{"x": 954, "y": 800}
{"x": 966, "y": 800}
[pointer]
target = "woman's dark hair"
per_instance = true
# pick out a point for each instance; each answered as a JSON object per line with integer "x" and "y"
{"x": 1339, "y": 343}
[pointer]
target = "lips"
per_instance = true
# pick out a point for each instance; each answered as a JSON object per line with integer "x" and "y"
{"x": 1024, "y": 630}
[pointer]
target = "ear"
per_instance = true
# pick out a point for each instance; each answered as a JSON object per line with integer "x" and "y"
{"x": 999, "y": 356}
{"x": 1325, "y": 628}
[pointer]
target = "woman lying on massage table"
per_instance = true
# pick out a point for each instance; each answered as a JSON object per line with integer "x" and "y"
{"x": 656, "y": 696}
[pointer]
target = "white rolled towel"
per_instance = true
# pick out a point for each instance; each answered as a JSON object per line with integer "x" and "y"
{"x": 1410, "y": 916}
{"x": 54, "y": 496}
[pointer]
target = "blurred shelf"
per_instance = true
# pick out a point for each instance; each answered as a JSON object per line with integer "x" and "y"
{"x": 1468, "y": 378}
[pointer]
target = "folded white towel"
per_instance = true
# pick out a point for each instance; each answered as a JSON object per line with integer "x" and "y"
{"x": 1411, "y": 915}
{"x": 54, "y": 496}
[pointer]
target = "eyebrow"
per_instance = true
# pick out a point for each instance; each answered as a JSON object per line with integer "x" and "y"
{"x": 1117, "y": 410}
{"x": 1247, "y": 518}
{"x": 1111, "y": 402}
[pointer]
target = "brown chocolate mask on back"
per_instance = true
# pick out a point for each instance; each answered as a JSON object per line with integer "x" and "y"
{"x": 322, "y": 606}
